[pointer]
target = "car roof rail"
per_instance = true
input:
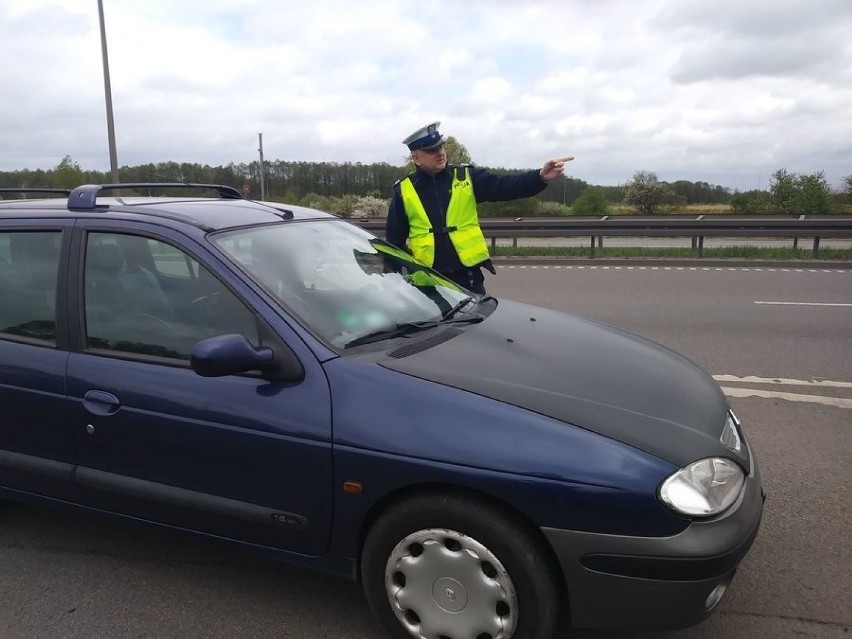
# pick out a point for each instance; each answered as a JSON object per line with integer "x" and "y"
{"x": 85, "y": 196}
{"x": 26, "y": 190}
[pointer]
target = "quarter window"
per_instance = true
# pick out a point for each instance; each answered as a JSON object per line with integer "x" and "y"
{"x": 29, "y": 266}
{"x": 149, "y": 297}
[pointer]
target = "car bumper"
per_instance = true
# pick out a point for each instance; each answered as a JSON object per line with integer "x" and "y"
{"x": 657, "y": 582}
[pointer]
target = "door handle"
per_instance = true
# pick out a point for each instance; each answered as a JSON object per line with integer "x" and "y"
{"x": 100, "y": 402}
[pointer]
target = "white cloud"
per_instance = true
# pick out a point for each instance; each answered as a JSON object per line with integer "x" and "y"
{"x": 724, "y": 92}
{"x": 491, "y": 90}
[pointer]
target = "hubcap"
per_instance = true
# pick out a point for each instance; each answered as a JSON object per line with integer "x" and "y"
{"x": 443, "y": 584}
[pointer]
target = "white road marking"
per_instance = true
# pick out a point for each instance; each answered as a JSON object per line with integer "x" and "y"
{"x": 734, "y": 391}
{"x": 783, "y": 381}
{"x": 839, "y": 402}
{"x": 672, "y": 268}
{"x": 801, "y": 303}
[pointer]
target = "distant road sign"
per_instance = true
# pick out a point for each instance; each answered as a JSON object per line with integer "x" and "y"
{"x": 246, "y": 189}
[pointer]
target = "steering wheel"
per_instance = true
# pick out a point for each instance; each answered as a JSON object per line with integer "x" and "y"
{"x": 206, "y": 298}
{"x": 157, "y": 321}
{"x": 206, "y": 303}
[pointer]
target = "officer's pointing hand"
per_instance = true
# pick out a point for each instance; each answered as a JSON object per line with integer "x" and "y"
{"x": 552, "y": 169}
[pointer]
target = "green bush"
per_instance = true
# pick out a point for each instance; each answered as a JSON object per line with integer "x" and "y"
{"x": 551, "y": 209}
{"x": 592, "y": 201}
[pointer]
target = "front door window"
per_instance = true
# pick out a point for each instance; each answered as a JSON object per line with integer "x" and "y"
{"x": 147, "y": 297}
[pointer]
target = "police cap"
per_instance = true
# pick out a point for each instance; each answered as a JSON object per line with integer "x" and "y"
{"x": 426, "y": 137}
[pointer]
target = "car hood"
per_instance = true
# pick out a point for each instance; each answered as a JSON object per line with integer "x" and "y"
{"x": 581, "y": 372}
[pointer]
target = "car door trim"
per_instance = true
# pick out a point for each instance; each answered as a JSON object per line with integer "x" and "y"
{"x": 189, "y": 499}
{"x": 37, "y": 465}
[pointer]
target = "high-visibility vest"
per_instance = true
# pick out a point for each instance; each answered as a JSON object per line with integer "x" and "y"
{"x": 462, "y": 222}
{"x": 416, "y": 277}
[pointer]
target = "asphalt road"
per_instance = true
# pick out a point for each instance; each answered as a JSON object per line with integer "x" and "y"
{"x": 677, "y": 242}
{"x": 709, "y": 313}
{"x": 789, "y": 324}
{"x": 778, "y": 340}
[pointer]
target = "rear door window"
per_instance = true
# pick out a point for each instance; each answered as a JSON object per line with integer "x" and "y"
{"x": 29, "y": 268}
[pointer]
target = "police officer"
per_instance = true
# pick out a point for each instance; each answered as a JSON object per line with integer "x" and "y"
{"x": 433, "y": 210}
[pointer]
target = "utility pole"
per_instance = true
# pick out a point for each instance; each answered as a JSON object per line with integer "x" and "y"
{"x": 260, "y": 150}
{"x": 113, "y": 157}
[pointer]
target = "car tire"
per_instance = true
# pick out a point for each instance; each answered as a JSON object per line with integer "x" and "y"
{"x": 450, "y": 566}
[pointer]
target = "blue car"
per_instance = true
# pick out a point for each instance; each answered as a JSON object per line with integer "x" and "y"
{"x": 278, "y": 378}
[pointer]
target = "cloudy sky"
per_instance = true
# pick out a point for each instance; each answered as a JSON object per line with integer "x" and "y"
{"x": 723, "y": 91}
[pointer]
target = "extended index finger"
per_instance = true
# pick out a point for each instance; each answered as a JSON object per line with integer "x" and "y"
{"x": 567, "y": 158}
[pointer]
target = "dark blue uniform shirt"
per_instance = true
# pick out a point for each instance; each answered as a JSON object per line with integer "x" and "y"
{"x": 434, "y": 193}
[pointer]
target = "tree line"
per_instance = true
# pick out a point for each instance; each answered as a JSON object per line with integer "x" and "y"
{"x": 788, "y": 193}
{"x": 357, "y": 189}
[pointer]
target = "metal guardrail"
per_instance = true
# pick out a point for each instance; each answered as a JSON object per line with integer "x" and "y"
{"x": 697, "y": 228}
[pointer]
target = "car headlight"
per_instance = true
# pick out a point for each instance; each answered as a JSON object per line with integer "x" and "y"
{"x": 704, "y": 488}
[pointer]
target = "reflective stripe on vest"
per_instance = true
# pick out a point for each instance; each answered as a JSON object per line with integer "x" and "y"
{"x": 462, "y": 223}
{"x": 416, "y": 277}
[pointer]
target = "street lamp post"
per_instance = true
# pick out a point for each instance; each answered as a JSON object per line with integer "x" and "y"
{"x": 113, "y": 157}
{"x": 262, "y": 179}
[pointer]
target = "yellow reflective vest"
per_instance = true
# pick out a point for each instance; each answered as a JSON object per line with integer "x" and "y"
{"x": 417, "y": 277}
{"x": 462, "y": 223}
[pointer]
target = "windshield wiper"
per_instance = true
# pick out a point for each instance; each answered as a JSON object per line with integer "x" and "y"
{"x": 470, "y": 319}
{"x": 455, "y": 309}
{"x": 404, "y": 328}
{"x": 387, "y": 333}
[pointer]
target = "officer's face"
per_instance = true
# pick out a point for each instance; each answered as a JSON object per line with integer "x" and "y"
{"x": 432, "y": 161}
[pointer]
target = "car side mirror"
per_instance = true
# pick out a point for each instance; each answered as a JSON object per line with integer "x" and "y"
{"x": 233, "y": 354}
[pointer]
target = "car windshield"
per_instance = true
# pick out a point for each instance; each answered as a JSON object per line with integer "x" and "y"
{"x": 347, "y": 286}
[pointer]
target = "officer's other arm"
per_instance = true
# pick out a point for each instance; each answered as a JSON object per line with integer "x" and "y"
{"x": 396, "y": 226}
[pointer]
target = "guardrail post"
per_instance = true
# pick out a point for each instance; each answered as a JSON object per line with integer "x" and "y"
{"x": 700, "y": 246}
{"x": 592, "y": 246}
{"x": 493, "y": 244}
{"x": 694, "y": 237}
{"x": 816, "y": 247}
{"x": 600, "y": 237}
{"x": 796, "y": 239}
{"x": 514, "y": 242}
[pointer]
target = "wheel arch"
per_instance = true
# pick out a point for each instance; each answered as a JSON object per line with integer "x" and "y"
{"x": 427, "y": 489}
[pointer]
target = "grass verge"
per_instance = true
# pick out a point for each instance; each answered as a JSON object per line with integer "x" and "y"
{"x": 740, "y": 252}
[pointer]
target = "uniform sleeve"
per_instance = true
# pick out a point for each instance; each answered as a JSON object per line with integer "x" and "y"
{"x": 490, "y": 187}
{"x": 396, "y": 226}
